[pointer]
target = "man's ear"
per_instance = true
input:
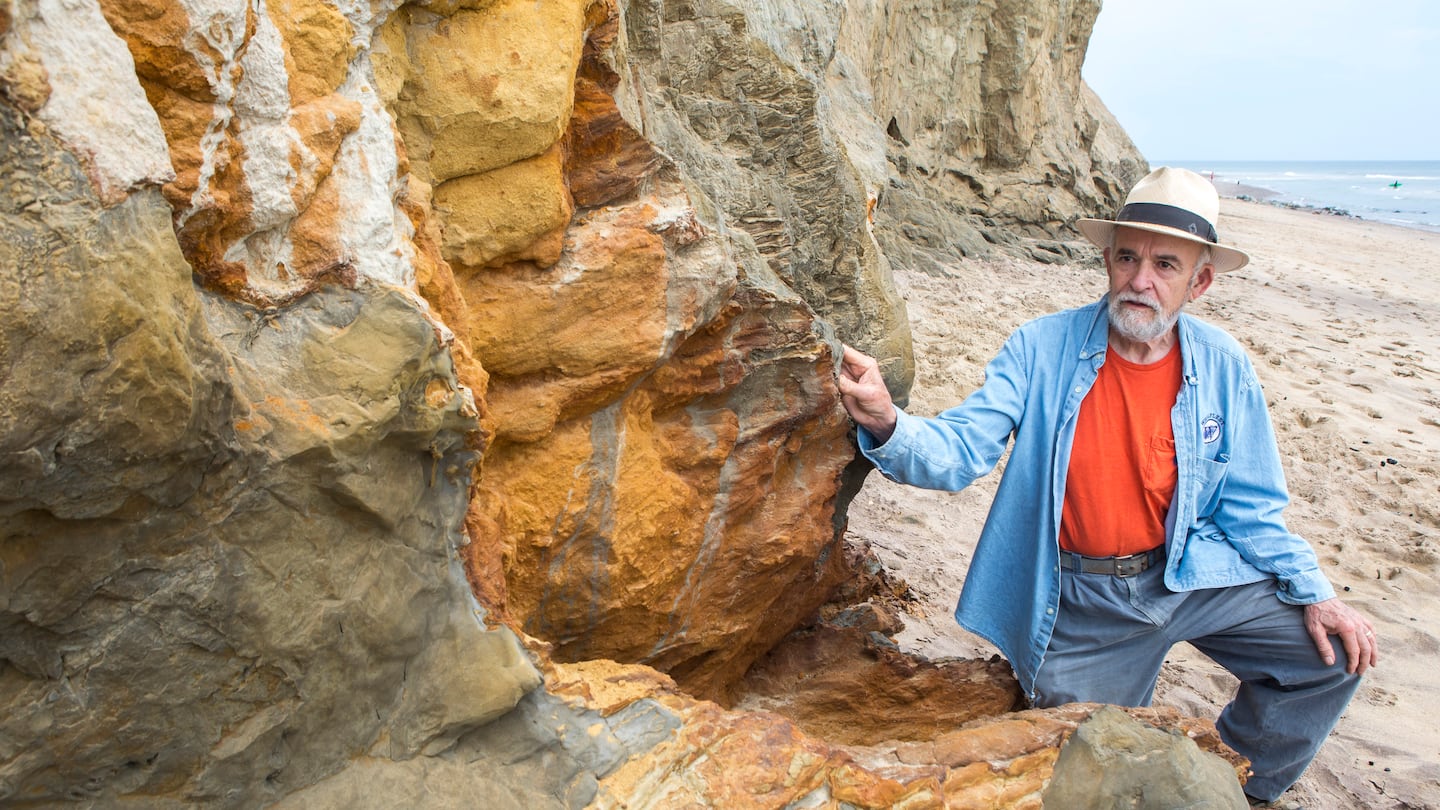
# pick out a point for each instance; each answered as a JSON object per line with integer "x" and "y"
{"x": 1203, "y": 277}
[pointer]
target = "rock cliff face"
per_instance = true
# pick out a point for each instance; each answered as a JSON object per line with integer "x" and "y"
{"x": 375, "y": 373}
{"x": 990, "y": 134}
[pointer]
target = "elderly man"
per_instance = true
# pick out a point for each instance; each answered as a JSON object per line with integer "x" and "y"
{"x": 1141, "y": 504}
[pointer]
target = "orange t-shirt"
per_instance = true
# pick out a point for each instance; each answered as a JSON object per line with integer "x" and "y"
{"x": 1122, "y": 468}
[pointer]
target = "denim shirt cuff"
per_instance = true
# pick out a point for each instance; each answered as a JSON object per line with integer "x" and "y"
{"x": 878, "y": 452}
{"x": 1305, "y": 588}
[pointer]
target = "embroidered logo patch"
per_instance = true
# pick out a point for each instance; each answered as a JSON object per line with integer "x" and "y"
{"x": 1210, "y": 428}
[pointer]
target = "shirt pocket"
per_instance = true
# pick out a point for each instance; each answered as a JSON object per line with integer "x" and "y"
{"x": 1211, "y": 474}
{"x": 1159, "y": 469}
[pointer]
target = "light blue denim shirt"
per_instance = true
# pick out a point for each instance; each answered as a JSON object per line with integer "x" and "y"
{"x": 1228, "y": 498}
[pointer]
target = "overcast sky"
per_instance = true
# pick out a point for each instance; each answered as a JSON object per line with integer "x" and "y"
{"x": 1271, "y": 79}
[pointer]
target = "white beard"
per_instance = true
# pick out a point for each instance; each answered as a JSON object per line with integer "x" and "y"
{"x": 1138, "y": 326}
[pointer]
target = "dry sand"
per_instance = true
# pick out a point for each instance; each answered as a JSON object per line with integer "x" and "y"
{"x": 1340, "y": 318}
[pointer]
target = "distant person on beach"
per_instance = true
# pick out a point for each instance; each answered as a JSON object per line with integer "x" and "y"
{"x": 1141, "y": 503}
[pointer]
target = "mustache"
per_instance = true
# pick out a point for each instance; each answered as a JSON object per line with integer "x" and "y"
{"x": 1137, "y": 298}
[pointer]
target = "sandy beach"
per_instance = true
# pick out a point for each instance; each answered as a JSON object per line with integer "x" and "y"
{"x": 1338, "y": 316}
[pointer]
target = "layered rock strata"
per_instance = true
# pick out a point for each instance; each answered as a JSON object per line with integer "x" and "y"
{"x": 990, "y": 137}
{"x": 664, "y": 431}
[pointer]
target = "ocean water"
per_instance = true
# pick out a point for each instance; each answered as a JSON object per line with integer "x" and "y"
{"x": 1365, "y": 189}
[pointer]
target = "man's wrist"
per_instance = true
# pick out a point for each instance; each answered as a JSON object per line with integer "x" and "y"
{"x": 880, "y": 429}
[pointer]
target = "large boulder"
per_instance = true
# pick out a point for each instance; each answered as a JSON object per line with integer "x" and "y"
{"x": 1114, "y": 761}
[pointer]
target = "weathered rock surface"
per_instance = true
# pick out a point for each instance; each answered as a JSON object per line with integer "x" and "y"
{"x": 1112, "y": 761}
{"x": 737, "y": 95}
{"x": 852, "y": 686}
{"x": 754, "y": 759}
{"x": 989, "y": 132}
{"x": 361, "y": 363}
{"x": 228, "y": 561}
{"x": 666, "y": 435}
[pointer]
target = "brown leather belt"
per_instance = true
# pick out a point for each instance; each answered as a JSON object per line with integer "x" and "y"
{"x": 1127, "y": 566}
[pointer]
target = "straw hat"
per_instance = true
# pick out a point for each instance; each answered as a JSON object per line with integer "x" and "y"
{"x": 1174, "y": 202}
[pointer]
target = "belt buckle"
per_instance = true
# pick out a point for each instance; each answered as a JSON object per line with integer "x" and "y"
{"x": 1131, "y": 565}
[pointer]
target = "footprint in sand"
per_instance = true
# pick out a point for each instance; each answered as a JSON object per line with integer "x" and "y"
{"x": 1376, "y": 696}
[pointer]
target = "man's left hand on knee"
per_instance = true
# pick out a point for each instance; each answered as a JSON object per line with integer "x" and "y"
{"x": 1335, "y": 618}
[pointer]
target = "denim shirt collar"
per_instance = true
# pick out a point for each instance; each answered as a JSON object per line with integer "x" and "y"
{"x": 1097, "y": 339}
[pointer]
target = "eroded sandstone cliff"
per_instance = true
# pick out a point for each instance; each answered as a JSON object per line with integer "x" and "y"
{"x": 374, "y": 374}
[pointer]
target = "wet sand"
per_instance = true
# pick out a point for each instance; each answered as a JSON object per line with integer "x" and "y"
{"x": 1239, "y": 190}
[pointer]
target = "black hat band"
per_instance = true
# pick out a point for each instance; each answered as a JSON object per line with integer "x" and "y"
{"x": 1170, "y": 217}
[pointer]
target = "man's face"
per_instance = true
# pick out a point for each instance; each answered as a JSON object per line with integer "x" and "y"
{"x": 1152, "y": 276}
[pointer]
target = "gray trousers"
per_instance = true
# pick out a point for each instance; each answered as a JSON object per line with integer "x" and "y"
{"x": 1112, "y": 634}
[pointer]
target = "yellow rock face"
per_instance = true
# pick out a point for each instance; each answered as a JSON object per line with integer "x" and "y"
{"x": 515, "y": 213}
{"x": 672, "y": 525}
{"x": 479, "y": 90}
{"x": 319, "y": 46}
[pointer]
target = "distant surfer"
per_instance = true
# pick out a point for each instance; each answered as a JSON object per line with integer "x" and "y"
{"x": 1395, "y": 184}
